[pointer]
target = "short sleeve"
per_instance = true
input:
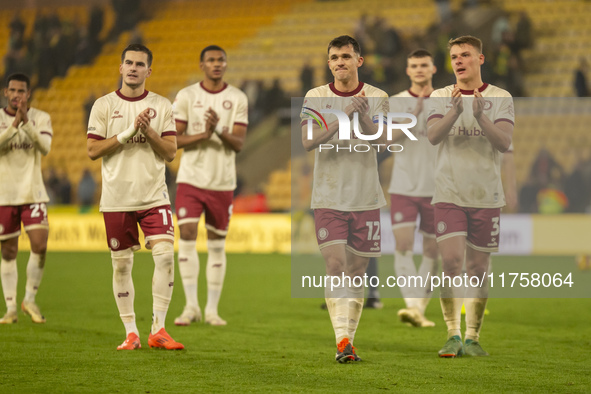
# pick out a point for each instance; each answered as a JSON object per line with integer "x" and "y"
{"x": 97, "y": 126}
{"x": 169, "y": 121}
{"x": 310, "y": 107}
{"x": 435, "y": 106}
{"x": 180, "y": 107}
{"x": 44, "y": 124}
{"x": 506, "y": 111}
{"x": 242, "y": 111}
{"x": 382, "y": 106}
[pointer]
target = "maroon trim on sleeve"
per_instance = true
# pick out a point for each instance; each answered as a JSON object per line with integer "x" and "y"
{"x": 212, "y": 91}
{"x": 167, "y": 133}
{"x": 94, "y": 137}
{"x": 47, "y": 132}
{"x": 180, "y": 121}
{"x": 138, "y": 98}
{"x": 504, "y": 120}
{"x": 435, "y": 116}
{"x": 471, "y": 92}
{"x": 240, "y": 124}
{"x": 346, "y": 94}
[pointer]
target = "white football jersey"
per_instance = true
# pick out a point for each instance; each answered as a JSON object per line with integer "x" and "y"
{"x": 343, "y": 180}
{"x": 468, "y": 167}
{"x": 133, "y": 176}
{"x": 414, "y": 167}
{"x": 21, "y": 181}
{"x": 211, "y": 164}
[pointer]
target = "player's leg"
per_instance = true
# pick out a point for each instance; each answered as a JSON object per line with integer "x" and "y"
{"x": 188, "y": 210}
{"x": 373, "y": 294}
{"x": 429, "y": 265}
{"x": 477, "y": 263}
{"x": 451, "y": 224}
{"x": 158, "y": 228}
{"x": 35, "y": 267}
{"x": 123, "y": 239}
{"x": 364, "y": 242}
{"x": 9, "y": 275}
{"x": 483, "y": 239}
{"x": 218, "y": 210}
{"x": 332, "y": 231}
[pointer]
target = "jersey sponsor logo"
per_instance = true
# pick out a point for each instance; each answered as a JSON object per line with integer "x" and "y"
{"x": 152, "y": 113}
{"x": 21, "y": 146}
{"x": 463, "y": 131}
{"x": 227, "y": 104}
{"x": 114, "y": 242}
{"x": 441, "y": 227}
{"x": 322, "y": 234}
{"x": 137, "y": 139}
{"x": 116, "y": 115}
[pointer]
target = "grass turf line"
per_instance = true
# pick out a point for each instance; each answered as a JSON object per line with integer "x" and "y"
{"x": 273, "y": 342}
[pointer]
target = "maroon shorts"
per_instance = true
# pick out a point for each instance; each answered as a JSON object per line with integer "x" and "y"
{"x": 192, "y": 201}
{"x": 33, "y": 216}
{"x": 360, "y": 231}
{"x": 480, "y": 226}
{"x": 122, "y": 231}
{"x": 405, "y": 209}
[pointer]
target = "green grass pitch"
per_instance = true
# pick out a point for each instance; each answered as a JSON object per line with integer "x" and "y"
{"x": 275, "y": 343}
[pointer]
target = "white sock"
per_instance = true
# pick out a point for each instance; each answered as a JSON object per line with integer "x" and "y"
{"x": 429, "y": 267}
{"x": 215, "y": 272}
{"x": 9, "y": 275}
{"x": 189, "y": 270}
{"x": 34, "y": 274}
{"x": 337, "y": 304}
{"x": 452, "y": 299}
{"x": 404, "y": 265}
{"x": 162, "y": 282}
{"x": 475, "y": 303}
{"x": 355, "y": 298}
{"x": 123, "y": 288}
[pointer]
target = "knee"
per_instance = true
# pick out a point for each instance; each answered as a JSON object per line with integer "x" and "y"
{"x": 430, "y": 250}
{"x": 122, "y": 261}
{"x": 404, "y": 246}
{"x": 39, "y": 247}
{"x": 452, "y": 263}
{"x": 9, "y": 251}
{"x": 188, "y": 232}
{"x": 216, "y": 245}
{"x": 163, "y": 254}
{"x": 335, "y": 265}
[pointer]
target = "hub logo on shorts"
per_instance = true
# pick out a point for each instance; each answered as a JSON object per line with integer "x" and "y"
{"x": 322, "y": 234}
{"x": 441, "y": 227}
{"x": 114, "y": 243}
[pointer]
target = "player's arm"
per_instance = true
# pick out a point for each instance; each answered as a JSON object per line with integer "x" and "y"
{"x": 41, "y": 139}
{"x": 189, "y": 141}
{"x": 499, "y": 134}
{"x": 7, "y": 135}
{"x": 235, "y": 139}
{"x": 510, "y": 185}
{"x": 439, "y": 127}
{"x": 164, "y": 145}
{"x": 368, "y": 127}
{"x": 97, "y": 148}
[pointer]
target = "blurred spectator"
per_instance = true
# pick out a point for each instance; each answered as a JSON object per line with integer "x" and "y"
{"x": 581, "y": 86}
{"x": 52, "y": 183}
{"x": 95, "y": 26}
{"x": 127, "y": 14}
{"x": 577, "y": 187}
{"x": 551, "y": 201}
{"x": 306, "y": 77}
{"x": 136, "y": 37}
{"x": 275, "y": 97}
{"x": 546, "y": 170}
{"x": 65, "y": 189}
{"x": 88, "y": 103}
{"x": 523, "y": 32}
{"x": 444, "y": 10}
{"x": 86, "y": 191}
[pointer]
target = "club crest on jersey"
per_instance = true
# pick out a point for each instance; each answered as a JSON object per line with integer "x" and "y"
{"x": 114, "y": 242}
{"x": 487, "y": 105}
{"x": 322, "y": 234}
{"x": 227, "y": 104}
{"x": 152, "y": 113}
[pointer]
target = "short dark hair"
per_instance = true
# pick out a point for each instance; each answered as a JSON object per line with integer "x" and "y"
{"x": 466, "y": 40}
{"x": 342, "y": 41}
{"x": 18, "y": 77}
{"x": 210, "y": 48}
{"x": 419, "y": 53}
{"x": 138, "y": 48}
